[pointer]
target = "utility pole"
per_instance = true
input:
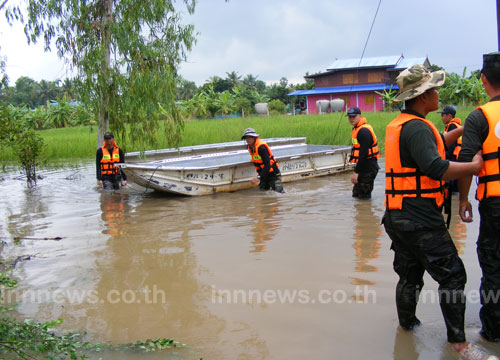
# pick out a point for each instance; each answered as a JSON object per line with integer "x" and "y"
{"x": 498, "y": 23}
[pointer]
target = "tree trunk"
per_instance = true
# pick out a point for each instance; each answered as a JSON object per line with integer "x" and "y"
{"x": 103, "y": 121}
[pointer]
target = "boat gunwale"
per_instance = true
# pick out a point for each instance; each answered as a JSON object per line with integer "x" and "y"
{"x": 215, "y": 146}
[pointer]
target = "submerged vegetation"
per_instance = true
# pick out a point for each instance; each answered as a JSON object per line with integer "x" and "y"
{"x": 34, "y": 340}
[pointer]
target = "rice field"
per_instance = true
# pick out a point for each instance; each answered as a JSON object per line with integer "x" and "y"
{"x": 75, "y": 144}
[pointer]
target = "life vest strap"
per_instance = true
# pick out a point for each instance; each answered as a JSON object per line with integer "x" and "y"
{"x": 490, "y": 156}
{"x": 399, "y": 175}
{"x": 415, "y": 192}
{"x": 489, "y": 178}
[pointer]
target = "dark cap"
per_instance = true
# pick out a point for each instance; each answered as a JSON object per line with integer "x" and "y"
{"x": 249, "y": 132}
{"x": 353, "y": 111}
{"x": 448, "y": 110}
{"x": 108, "y": 135}
{"x": 491, "y": 61}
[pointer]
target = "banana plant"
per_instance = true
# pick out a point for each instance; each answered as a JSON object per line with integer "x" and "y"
{"x": 224, "y": 102}
{"x": 258, "y": 97}
{"x": 389, "y": 98}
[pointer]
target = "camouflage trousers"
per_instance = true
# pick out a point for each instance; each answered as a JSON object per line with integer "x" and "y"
{"x": 363, "y": 189}
{"x": 433, "y": 251}
{"x": 273, "y": 183}
{"x": 488, "y": 252}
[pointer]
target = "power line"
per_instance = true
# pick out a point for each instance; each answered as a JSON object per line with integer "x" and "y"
{"x": 360, "y": 60}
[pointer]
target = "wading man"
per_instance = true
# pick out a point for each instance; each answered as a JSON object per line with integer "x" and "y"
{"x": 416, "y": 169}
{"x": 108, "y": 176}
{"x": 262, "y": 158}
{"x": 451, "y": 123}
{"x": 364, "y": 153}
{"x": 481, "y": 132}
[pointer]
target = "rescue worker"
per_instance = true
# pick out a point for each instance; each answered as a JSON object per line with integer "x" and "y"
{"x": 364, "y": 154}
{"x": 451, "y": 123}
{"x": 416, "y": 169}
{"x": 481, "y": 132}
{"x": 108, "y": 176}
{"x": 262, "y": 158}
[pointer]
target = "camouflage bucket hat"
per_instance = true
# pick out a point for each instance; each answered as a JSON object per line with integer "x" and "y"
{"x": 416, "y": 80}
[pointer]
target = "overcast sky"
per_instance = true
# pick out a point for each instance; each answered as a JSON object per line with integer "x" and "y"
{"x": 272, "y": 39}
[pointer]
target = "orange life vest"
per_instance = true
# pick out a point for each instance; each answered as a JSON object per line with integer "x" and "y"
{"x": 373, "y": 151}
{"x": 458, "y": 123}
{"x": 107, "y": 161}
{"x": 489, "y": 176}
{"x": 401, "y": 182}
{"x": 256, "y": 158}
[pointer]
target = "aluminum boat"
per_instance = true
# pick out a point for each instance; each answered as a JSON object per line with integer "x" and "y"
{"x": 226, "y": 167}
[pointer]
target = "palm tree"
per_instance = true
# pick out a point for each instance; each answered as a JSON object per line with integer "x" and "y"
{"x": 68, "y": 89}
{"x": 250, "y": 81}
{"x": 234, "y": 78}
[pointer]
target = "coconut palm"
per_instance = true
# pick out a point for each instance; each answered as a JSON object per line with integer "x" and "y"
{"x": 234, "y": 78}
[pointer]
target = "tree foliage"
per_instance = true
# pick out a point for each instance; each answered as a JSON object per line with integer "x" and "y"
{"x": 462, "y": 90}
{"x": 126, "y": 53}
{"x": 26, "y": 143}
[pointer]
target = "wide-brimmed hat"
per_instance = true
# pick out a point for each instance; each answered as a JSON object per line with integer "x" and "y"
{"x": 249, "y": 132}
{"x": 416, "y": 80}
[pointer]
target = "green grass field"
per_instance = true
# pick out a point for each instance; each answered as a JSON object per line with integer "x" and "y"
{"x": 72, "y": 145}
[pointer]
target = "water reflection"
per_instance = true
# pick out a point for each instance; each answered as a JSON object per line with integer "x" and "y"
{"x": 149, "y": 278}
{"x": 459, "y": 235}
{"x": 404, "y": 345}
{"x": 166, "y": 252}
{"x": 263, "y": 212}
{"x": 24, "y": 214}
{"x": 113, "y": 209}
{"x": 367, "y": 233}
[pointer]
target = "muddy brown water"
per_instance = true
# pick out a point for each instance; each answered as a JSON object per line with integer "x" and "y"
{"x": 245, "y": 275}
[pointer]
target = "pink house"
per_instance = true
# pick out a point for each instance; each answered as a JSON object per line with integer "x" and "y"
{"x": 356, "y": 81}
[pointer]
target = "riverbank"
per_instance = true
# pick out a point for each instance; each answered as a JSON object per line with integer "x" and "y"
{"x": 72, "y": 145}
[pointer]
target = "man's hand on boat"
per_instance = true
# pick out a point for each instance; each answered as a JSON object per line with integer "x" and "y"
{"x": 255, "y": 180}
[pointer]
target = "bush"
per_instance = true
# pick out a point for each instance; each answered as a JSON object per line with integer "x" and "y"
{"x": 276, "y": 107}
{"x": 243, "y": 105}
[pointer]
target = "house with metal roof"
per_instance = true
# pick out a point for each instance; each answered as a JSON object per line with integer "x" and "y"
{"x": 356, "y": 81}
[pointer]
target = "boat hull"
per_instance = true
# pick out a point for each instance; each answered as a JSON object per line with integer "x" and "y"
{"x": 229, "y": 171}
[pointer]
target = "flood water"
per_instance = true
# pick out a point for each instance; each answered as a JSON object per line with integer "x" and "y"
{"x": 246, "y": 275}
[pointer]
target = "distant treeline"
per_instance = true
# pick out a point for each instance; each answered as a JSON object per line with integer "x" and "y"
{"x": 30, "y": 93}
{"x": 233, "y": 94}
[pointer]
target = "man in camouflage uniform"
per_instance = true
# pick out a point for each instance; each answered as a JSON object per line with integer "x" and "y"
{"x": 481, "y": 129}
{"x": 413, "y": 219}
